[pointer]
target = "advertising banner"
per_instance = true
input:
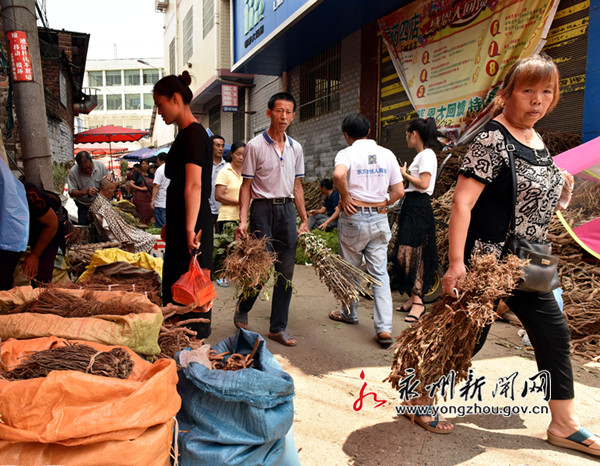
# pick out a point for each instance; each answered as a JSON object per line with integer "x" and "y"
{"x": 451, "y": 55}
{"x": 229, "y": 98}
{"x": 20, "y": 60}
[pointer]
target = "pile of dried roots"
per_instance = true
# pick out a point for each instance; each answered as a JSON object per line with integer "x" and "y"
{"x": 346, "y": 282}
{"x": 232, "y": 362}
{"x": 73, "y": 357}
{"x": 80, "y": 255}
{"x": 174, "y": 336}
{"x": 63, "y": 304}
{"x": 444, "y": 338}
{"x": 135, "y": 284}
{"x": 248, "y": 264}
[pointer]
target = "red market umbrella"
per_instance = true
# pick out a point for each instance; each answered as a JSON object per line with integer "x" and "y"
{"x": 109, "y": 134}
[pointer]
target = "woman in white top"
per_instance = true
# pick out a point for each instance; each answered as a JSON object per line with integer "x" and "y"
{"x": 415, "y": 251}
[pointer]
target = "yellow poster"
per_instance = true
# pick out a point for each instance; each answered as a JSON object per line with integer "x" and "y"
{"x": 451, "y": 55}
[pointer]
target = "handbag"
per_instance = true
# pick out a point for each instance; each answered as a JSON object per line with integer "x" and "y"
{"x": 541, "y": 273}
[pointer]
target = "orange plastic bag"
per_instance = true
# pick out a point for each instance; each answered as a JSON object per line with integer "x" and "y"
{"x": 102, "y": 415}
{"x": 194, "y": 286}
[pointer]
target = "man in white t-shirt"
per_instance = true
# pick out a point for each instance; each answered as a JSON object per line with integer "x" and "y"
{"x": 159, "y": 192}
{"x": 364, "y": 172}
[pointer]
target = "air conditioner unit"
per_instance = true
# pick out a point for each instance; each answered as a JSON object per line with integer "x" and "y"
{"x": 161, "y": 5}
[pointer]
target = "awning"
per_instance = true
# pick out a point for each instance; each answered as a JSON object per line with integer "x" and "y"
{"x": 302, "y": 36}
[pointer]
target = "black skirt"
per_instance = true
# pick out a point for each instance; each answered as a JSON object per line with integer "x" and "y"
{"x": 414, "y": 256}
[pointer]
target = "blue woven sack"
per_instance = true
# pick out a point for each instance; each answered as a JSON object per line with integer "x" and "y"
{"x": 235, "y": 417}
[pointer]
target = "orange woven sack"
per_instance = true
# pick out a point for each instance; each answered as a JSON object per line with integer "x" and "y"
{"x": 194, "y": 286}
{"x": 70, "y": 417}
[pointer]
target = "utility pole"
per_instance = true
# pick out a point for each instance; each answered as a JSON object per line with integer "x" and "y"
{"x": 28, "y": 87}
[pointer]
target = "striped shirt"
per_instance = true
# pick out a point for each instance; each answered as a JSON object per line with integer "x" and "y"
{"x": 272, "y": 173}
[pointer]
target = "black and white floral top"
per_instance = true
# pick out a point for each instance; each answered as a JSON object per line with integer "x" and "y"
{"x": 539, "y": 185}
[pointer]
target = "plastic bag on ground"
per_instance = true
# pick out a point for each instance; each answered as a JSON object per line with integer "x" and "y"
{"x": 236, "y": 417}
{"x": 107, "y": 256}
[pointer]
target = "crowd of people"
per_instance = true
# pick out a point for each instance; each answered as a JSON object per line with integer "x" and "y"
{"x": 260, "y": 191}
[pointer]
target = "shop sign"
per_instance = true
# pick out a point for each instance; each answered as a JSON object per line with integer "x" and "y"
{"x": 20, "y": 59}
{"x": 229, "y": 98}
{"x": 451, "y": 56}
{"x": 255, "y": 20}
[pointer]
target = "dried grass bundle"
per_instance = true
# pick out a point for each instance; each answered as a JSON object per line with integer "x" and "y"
{"x": 248, "y": 264}
{"x": 60, "y": 303}
{"x": 345, "y": 281}
{"x": 444, "y": 338}
{"x": 73, "y": 357}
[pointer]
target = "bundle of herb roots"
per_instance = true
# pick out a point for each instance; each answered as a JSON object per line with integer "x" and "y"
{"x": 345, "y": 281}
{"x": 445, "y": 337}
{"x": 174, "y": 336}
{"x": 248, "y": 264}
{"x": 63, "y": 304}
{"x": 73, "y": 357}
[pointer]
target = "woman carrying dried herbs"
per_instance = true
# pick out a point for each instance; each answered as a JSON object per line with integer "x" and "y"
{"x": 481, "y": 212}
{"x": 416, "y": 251}
{"x": 189, "y": 167}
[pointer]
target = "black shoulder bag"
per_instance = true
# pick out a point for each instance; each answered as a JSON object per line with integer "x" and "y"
{"x": 541, "y": 274}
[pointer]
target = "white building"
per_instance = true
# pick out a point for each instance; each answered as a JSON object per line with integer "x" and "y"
{"x": 198, "y": 39}
{"x": 124, "y": 95}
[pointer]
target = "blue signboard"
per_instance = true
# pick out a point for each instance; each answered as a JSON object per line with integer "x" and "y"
{"x": 254, "y": 20}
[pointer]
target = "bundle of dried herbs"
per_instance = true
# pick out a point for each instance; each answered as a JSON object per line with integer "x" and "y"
{"x": 345, "y": 281}
{"x": 248, "y": 264}
{"x": 63, "y": 304}
{"x": 445, "y": 337}
{"x": 73, "y": 357}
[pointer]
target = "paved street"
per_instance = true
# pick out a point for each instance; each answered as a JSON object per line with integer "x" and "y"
{"x": 326, "y": 367}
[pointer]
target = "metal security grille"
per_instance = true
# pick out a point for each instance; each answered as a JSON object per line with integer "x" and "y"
{"x": 188, "y": 34}
{"x": 320, "y": 83}
{"x": 172, "y": 64}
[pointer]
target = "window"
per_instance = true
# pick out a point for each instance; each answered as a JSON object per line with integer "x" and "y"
{"x": 95, "y": 79}
{"x": 172, "y": 64}
{"x": 132, "y": 77}
{"x": 150, "y": 76}
{"x": 113, "y": 102}
{"x": 113, "y": 78}
{"x": 100, "y": 102}
{"x": 214, "y": 119}
{"x": 188, "y": 35}
{"x": 148, "y": 101}
{"x": 239, "y": 117}
{"x": 320, "y": 83}
{"x": 133, "y": 102}
{"x": 208, "y": 16}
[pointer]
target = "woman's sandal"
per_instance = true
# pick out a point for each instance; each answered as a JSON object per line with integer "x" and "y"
{"x": 411, "y": 318}
{"x": 431, "y": 426}
{"x": 401, "y": 309}
{"x": 284, "y": 338}
{"x": 574, "y": 441}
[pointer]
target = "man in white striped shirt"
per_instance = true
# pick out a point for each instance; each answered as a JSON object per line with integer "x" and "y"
{"x": 273, "y": 169}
